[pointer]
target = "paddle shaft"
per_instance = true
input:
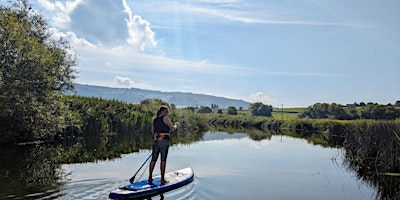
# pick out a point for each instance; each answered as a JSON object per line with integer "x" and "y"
{"x": 133, "y": 177}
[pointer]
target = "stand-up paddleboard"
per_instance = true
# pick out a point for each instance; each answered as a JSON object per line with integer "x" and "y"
{"x": 143, "y": 189}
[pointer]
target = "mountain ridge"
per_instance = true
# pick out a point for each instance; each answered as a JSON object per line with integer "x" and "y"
{"x": 136, "y": 95}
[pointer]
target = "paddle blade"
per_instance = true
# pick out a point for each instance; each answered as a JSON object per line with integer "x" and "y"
{"x": 132, "y": 179}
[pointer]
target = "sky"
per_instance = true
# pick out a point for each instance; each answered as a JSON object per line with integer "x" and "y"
{"x": 284, "y": 53}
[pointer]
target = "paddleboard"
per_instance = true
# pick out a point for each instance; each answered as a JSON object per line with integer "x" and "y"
{"x": 143, "y": 189}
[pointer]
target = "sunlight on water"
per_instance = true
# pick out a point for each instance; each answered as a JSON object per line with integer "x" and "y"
{"x": 230, "y": 167}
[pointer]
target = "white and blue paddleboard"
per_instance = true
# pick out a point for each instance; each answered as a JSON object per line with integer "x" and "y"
{"x": 143, "y": 189}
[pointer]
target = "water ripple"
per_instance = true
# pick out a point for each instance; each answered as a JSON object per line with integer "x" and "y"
{"x": 97, "y": 189}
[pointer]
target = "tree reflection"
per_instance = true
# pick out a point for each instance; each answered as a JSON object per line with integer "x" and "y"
{"x": 30, "y": 169}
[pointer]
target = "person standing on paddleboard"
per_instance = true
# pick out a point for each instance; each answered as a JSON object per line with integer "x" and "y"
{"x": 160, "y": 128}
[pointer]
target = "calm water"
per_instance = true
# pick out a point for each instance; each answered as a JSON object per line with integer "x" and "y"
{"x": 227, "y": 166}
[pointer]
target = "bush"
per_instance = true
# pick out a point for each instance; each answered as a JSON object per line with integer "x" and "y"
{"x": 232, "y": 110}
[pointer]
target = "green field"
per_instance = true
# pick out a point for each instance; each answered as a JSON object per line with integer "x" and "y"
{"x": 287, "y": 113}
{"x": 278, "y": 113}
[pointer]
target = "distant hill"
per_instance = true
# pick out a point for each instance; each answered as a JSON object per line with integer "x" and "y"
{"x": 135, "y": 95}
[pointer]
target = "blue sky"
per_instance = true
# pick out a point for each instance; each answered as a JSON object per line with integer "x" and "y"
{"x": 280, "y": 52}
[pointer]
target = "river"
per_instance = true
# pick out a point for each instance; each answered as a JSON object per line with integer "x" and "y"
{"x": 226, "y": 166}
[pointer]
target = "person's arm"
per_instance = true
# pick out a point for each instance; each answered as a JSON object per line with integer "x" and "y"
{"x": 168, "y": 122}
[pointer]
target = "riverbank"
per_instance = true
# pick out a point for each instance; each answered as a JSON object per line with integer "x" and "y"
{"x": 365, "y": 138}
{"x": 371, "y": 147}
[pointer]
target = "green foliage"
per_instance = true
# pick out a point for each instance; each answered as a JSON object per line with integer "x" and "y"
{"x": 204, "y": 109}
{"x": 372, "y": 111}
{"x": 232, "y": 110}
{"x": 352, "y": 111}
{"x": 324, "y": 110}
{"x": 34, "y": 69}
{"x": 190, "y": 109}
{"x": 372, "y": 150}
{"x": 243, "y": 122}
{"x": 152, "y": 105}
{"x": 32, "y": 167}
{"x": 98, "y": 116}
{"x": 109, "y": 127}
{"x": 325, "y": 132}
{"x": 259, "y": 109}
{"x": 95, "y": 116}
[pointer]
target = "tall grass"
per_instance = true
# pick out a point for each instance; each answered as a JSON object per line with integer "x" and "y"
{"x": 375, "y": 144}
{"x": 372, "y": 149}
{"x": 398, "y": 142}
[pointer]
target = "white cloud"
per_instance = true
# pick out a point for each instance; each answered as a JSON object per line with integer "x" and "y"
{"x": 140, "y": 33}
{"x": 124, "y": 81}
{"x": 82, "y": 24}
{"x": 102, "y": 22}
{"x": 261, "y": 97}
{"x": 47, "y": 5}
{"x": 213, "y": 11}
{"x": 259, "y": 144}
{"x": 60, "y": 11}
{"x": 72, "y": 38}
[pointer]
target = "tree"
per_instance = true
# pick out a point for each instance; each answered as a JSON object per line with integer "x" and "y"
{"x": 150, "y": 106}
{"x": 324, "y": 110}
{"x": 232, "y": 110}
{"x": 337, "y": 112}
{"x": 353, "y": 112}
{"x": 396, "y": 104}
{"x": 379, "y": 112}
{"x": 34, "y": 70}
{"x": 190, "y": 109}
{"x": 204, "y": 109}
{"x": 259, "y": 109}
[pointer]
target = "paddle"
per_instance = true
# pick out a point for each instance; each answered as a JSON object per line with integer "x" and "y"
{"x": 133, "y": 177}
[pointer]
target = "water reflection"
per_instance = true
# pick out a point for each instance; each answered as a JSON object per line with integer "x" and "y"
{"x": 280, "y": 168}
{"x": 227, "y": 166}
{"x": 29, "y": 171}
{"x": 387, "y": 186}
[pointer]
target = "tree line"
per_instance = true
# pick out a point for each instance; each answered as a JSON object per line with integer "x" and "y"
{"x": 257, "y": 109}
{"x": 352, "y": 111}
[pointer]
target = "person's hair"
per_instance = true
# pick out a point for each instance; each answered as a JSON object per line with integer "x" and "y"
{"x": 160, "y": 110}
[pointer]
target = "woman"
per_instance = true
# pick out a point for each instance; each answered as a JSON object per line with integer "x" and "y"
{"x": 160, "y": 128}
